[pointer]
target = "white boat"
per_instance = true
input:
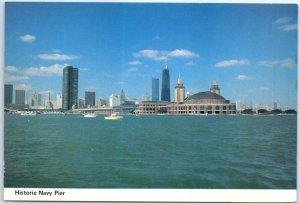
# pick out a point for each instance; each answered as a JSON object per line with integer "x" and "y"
{"x": 113, "y": 117}
{"x": 28, "y": 113}
{"x": 89, "y": 115}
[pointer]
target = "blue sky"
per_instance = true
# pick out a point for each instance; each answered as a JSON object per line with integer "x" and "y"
{"x": 249, "y": 49}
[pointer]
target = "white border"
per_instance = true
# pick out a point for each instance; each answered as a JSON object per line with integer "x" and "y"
{"x": 154, "y": 195}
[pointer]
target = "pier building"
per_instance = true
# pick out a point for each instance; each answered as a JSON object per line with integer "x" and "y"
{"x": 201, "y": 103}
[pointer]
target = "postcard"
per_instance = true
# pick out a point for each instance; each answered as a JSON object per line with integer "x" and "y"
{"x": 133, "y": 101}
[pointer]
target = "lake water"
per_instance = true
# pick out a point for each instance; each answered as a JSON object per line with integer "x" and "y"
{"x": 205, "y": 152}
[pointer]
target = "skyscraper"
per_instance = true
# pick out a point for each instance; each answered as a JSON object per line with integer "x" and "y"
{"x": 59, "y": 101}
{"x": 179, "y": 92}
{"x": 89, "y": 98}
{"x": 155, "y": 89}
{"x": 165, "y": 86}
{"x": 34, "y": 100}
{"x": 70, "y": 87}
{"x": 20, "y": 97}
{"x": 8, "y": 91}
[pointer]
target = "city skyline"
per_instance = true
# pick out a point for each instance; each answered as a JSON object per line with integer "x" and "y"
{"x": 250, "y": 50}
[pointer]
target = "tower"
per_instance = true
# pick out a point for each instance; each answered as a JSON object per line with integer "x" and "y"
{"x": 179, "y": 92}
{"x": 155, "y": 89}
{"x": 20, "y": 97}
{"x": 8, "y": 91}
{"x": 89, "y": 98}
{"x": 215, "y": 88}
{"x": 165, "y": 86}
{"x": 70, "y": 87}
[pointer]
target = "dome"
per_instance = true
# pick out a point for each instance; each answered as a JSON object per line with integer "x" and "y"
{"x": 206, "y": 98}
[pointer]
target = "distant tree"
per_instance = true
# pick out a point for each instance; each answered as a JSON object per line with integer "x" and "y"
{"x": 290, "y": 111}
{"x": 247, "y": 111}
{"x": 276, "y": 111}
{"x": 262, "y": 111}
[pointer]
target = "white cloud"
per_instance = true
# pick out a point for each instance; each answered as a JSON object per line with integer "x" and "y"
{"x": 228, "y": 63}
{"x": 282, "y": 20}
{"x": 285, "y": 63}
{"x": 242, "y": 77}
{"x": 288, "y": 27}
{"x": 27, "y": 38}
{"x": 190, "y": 63}
{"x": 135, "y": 63}
{"x": 147, "y": 53}
{"x": 164, "y": 55}
{"x": 11, "y": 69}
{"x": 264, "y": 88}
{"x": 56, "y": 57}
{"x": 285, "y": 24}
{"x": 182, "y": 53}
{"x": 11, "y": 78}
{"x": 55, "y": 69}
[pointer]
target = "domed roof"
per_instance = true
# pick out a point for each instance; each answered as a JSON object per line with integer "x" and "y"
{"x": 206, "y": 96}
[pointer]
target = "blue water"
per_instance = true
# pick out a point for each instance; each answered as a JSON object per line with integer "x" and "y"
{"x": 218, "y": 152}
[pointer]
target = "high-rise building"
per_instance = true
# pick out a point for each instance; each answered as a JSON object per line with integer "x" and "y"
{"x": 122, "y": 97}
{"x": 81, "y": 103}
{"x": 34, "y": 100}
{"x": 39, "y": 100}
{"x": 89, "y": 98}
{"x": 179, "y": 92}
{"x": 59, "y": 101}
{"x": 165, "y": 87}
{"x": 70, "y": 88}
{"x": 275, "y": 105}
{"x": 8, "y": 91}
{"x": 215, "y": 88}
{"x": 114, "y": 101}
{"x": 155, "y": 89}
{"x": 47, "y": 103}
{"x": 20, "y": 97}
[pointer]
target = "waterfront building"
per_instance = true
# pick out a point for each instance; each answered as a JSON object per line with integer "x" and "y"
{"x": 201, "y": 103}
{"x": 47, "y": 103}
{"x": 20, "y": 97}
{"x": 151, "y": 107}
{"x": 122, "y": 97}
{"x": 155, "y": 89}
{"x": 70, "y": 88}
{"x": 215, "y": 88}
{"x": 276, "y": 106}
{"x": 101, "y": 103}
{"x": 114, "y": 100}
{"x": 34, "y": 100}
{"x": 179, "y": 92}
{"x": 238, "y": 105}
{"x": 59, "y": 101}
{"x": 165, "y": 87}
{"x": 81, "y": 103}
{"x": 39, "y": 99}
{"x": 89, "y": 98}
{"x": 8, "y": 91}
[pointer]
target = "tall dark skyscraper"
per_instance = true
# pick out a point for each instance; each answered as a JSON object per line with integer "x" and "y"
{"x": 20, "y": 97}
{"x": 8, "y": 98}
{"x": 89, "y": 98}
{"x": 155, "y": 89}
{"x": 70, "y": 87}
{"x": 165, "y": 86}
